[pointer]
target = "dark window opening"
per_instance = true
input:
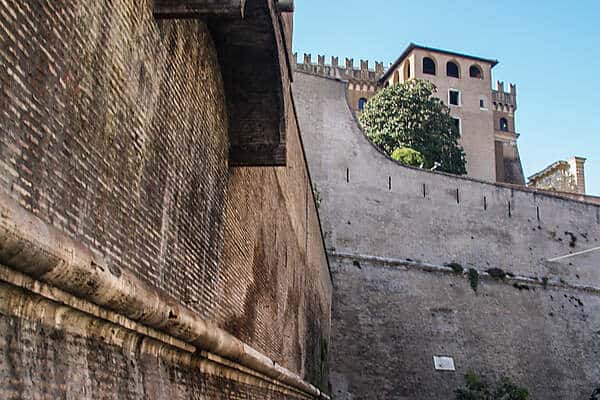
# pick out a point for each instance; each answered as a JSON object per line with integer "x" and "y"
{"x": 481, "y": 103}
{"x": 396, "y": 77}
{"x": 452, "y": 70}
{"x": 504, "y": 124}
{"x": 407, "y": 71}
{"x": 361, "y": 104}
{"x": 428, "y": 66}
{"x": 454, "y": 97}
{"x": 457, "y": 125}
{"x": 475, "y": 72}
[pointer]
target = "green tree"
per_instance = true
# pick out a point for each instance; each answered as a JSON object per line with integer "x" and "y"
{"x": 478, "y": 389}
{"x": 409, "y": 115}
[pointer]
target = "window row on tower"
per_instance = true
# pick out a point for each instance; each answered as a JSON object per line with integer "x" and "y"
{"x": 452, "y": 69}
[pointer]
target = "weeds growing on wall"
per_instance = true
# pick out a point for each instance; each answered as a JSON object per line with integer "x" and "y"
{"x": 474, "y": 279}
{"x": 545, "y": 282}
{"x": 456, "y": 267}
{"x": 318, "y": 197}
{"x": 477, "y": 388}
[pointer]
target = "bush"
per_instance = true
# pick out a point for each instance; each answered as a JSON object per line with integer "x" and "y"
{"x": 478, "y": 389}
{"x": 408, "y": 156}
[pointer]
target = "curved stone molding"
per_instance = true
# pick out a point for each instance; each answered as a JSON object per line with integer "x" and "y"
{"x": 29, "y": 245}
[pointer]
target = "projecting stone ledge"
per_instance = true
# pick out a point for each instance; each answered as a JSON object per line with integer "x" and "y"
{"x": 198, "y": 8}
{"x": 251, "y": 46}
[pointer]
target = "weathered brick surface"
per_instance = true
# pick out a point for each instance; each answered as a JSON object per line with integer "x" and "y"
{"x": 277, "y": 286}
{"x": 42, "y": 362}
{"x": 113, "y": 129}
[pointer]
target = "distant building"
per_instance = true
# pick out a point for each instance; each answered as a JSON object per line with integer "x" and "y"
{"x": 363, "y": 82}
{"x": 485, "y": 117}
{"x": 561, "y": 176}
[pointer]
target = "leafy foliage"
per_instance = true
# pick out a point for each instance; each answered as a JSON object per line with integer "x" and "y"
{"x": 478, "y": 389}
{"x": 409, "y": 115}
{"x": 408, "y": 156}
{"x": 474, "y": 279}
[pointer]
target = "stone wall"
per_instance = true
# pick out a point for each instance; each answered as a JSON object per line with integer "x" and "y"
{"x": 390, "y": 320}
{"x": 374, "y": 208}
{"x": 114, "y": 132}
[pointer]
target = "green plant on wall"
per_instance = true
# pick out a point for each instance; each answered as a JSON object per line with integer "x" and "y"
{"x": 474, "y": 278}
{"x": 409, "y": 115}
{"x": 318, "y": 198}
{"x": 477, "y": 388}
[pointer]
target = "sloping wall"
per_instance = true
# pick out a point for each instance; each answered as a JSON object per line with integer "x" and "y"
{"x": 374, "y": 208}
{"x": 114, "y": 139}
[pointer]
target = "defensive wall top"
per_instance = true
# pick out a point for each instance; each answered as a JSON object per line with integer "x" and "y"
{"x": 335, "y": 70}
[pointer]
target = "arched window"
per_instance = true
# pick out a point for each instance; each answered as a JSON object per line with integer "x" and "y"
{"x": 407, "y": 71}
{"x": 503, "y": 124}
{"x": 475, "y": 72}
{"x": 428, "y": 66}
{"x": 396, "y": 77}
{"x": 452, "y": 69}
{"x": 361, "y": 103}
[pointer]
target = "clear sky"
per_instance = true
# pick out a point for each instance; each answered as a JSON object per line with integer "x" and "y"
{"x": 550, "y": 49}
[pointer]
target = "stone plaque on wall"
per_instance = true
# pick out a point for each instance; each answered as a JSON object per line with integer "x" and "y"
{"x": 444, "y": 363}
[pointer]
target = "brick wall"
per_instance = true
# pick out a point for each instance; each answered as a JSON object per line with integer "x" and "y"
{"x": 114, "y": 131}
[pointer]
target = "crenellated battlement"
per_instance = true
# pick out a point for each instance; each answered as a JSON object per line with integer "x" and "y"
{"x": 502, "y": 98}
{"x": 334, "y": 70}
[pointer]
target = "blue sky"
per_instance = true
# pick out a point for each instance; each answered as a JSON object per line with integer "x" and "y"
{"x": 550, "y": 49}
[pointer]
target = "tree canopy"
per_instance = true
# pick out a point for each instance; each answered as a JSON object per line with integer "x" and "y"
{"x": 408, "y": 115}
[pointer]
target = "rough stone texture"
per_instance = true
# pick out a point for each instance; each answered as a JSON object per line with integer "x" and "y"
{"x": 56, "y": 353}
{"x": 384, "y": 335}
{"x": 389, "y": 322}
{"x": 114, "y": 130}
{"x": 375, "y": 206}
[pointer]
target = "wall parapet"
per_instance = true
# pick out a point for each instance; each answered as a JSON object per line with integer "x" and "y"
{"x": 501, "y": 96}
{"x": 334, "y": 70}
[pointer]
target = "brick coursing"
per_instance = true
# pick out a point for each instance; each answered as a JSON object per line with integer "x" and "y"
{"x": 114, "y": 129}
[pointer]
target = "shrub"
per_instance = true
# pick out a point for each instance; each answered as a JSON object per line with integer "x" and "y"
{"x": 408, "y": 156}
{"x": 478, "y": 389}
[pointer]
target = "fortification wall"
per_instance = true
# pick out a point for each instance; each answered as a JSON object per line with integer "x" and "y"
{"x": 373, "y": 207}
{"x": 391, "y": 319}
{"x": 348, "y": 71}
{"x": 114, "y": 139}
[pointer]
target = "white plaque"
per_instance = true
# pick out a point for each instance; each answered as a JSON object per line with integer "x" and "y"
{"x": 444, "y": 363}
